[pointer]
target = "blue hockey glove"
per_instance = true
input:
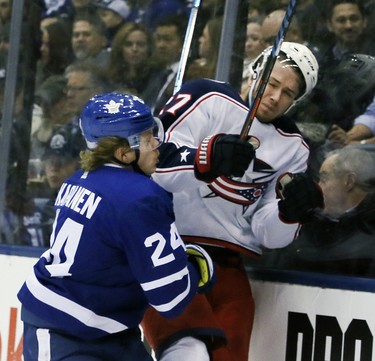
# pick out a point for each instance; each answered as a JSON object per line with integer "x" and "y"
{"x": 203, "y": 263}
{"x": 300, "y": 197}
{"x": 222, "y": 155}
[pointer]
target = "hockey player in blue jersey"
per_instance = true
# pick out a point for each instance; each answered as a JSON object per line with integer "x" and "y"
{"x": 114, "y": 248}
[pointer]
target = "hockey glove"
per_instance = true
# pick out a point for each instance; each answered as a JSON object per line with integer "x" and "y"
{"x": 222, "y": 155}
{"x": 300, "y": 196}
{"x": 203, "y": 262}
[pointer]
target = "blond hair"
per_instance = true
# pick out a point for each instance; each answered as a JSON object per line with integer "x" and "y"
{"x": 103, "y": 153}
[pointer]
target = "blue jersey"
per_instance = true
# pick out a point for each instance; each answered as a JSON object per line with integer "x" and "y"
{"x": 114, "y": 250}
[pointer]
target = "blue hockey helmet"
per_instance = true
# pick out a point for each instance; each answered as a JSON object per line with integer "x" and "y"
{"x": 118, "y": 115}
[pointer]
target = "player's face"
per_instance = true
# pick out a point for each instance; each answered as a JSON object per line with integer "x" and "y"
{"x": 282, "y": 89}
{"x": 148, "y": 152}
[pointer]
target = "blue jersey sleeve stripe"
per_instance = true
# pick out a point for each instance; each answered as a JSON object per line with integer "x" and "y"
{"x": 161, "y": 282}
{"x": 82, "y": 314}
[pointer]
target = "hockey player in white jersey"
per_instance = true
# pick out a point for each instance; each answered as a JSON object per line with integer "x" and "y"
{"x": 114, "y": 248}
{"x": 231, "y": 214}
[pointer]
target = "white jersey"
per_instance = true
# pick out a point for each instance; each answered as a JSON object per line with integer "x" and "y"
{"x": 238, "y": 213}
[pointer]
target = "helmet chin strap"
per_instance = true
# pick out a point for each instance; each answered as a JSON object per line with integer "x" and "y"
{"x": 133, "y": 164}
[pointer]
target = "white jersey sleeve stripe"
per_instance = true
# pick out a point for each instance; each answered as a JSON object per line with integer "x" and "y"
{"x": 170, "y": 305}
{"x": 84, "y": 315}
{"x": 147, "y": 286}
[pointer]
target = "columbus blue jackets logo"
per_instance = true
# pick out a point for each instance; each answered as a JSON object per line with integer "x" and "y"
{"x": 237, "y": 192}
{"x": 244, "y": 193}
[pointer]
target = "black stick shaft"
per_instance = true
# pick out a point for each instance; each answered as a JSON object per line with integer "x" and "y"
{"x": 263, "y": 81}
{"x": 186, "y": 46}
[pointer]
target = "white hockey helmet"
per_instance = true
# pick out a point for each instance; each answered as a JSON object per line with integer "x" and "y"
{"x": 301, "y": 55}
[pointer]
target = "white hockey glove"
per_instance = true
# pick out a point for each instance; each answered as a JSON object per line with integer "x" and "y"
{"x": 203, "y": 262}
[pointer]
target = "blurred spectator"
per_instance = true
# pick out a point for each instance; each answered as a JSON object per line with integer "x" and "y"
{"x": 56, "y": 9}
{"x": 89, "y": 40}
{"x": 311, "y": 15}
{"x": 50, "y": 96}
{"x": 341, "y": 238}
{"x": 20, "y": 220}
{"x": 56, "y": 51}
{"x": 212, "y": 8}
{"x": 271, "y": 26}
{"x": 209, "y": 44}
{"x": 254, "y": 45}
{"x": 334, "y": 104}
{"x": 69, "y": 10}
{"x": 346, "y": 92}
{"x": 61, "y": 160}
{"x": 83, "y": 8}
{"x": 19, "y": 123}
{"x": 61, "y": 115}
{"x": 49, "y": 20}
{"x": 208, "y": 9}
{"x": 132, "y": 63}
{"x": 28, "y": 220}
{"x": 113, "y": 14}
{"x": 362, "y": 132}
{"x": 254, "y": 10}
{"x": 149, "y": 12}
{"x": 347, "y": 22}
{"x": 5, "y": 11}
{"x": 83, "y": 81}
{"x": 169, "y": 38}
{"x": 4, "y": 48}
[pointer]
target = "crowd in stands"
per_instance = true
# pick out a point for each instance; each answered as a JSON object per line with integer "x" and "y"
{"x": 91, "y": 46}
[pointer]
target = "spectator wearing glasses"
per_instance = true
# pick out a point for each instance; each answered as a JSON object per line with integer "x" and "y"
{"x": 83, "y": 81}
{"x": 340, "y": 239}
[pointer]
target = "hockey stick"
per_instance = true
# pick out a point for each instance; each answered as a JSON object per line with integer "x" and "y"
{"x": 186, "y": 46}
{"x": 268, "y": 68}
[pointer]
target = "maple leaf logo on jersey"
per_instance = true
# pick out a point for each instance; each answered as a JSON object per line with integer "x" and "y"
{"x": 113, "y": 107}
